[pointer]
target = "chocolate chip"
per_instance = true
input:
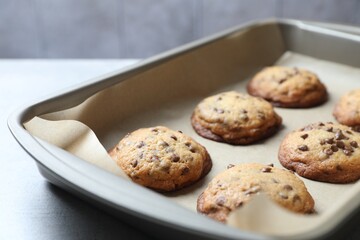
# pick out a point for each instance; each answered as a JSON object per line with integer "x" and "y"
{"x": 282, "y": 80}
{"x": 340, "y": 144}
{"x": 175, "y": 158}
{"x": 180, "y": 131}
{"x": 230, "y": 166}
{"x": 288, "y": 187}
{"x": 330, "y": 129}
{"x": 154, "y": 130}
{"x": 185, "y": 171}
{"x": 296, "y": 198}
{"x": 174, "y": 137}
{"x": 356, "y": 128}
{"x": 261, "y": 115}
{"x": 346, "y": 152}
{"x": 270, "y": 165}
{"x": 283, "y": 195}
{"x": 339, "y": 135}
{"x": 134, "y": 163}
{"x": 348, "y": 132}
{"x": 321, "y": 124}
{"x": 322, "y": 141}
{"x": 220, "y": 201}
{"x": 354, "y": 144}
{"x": 303, "y": 147}
{"x": 244, "y": 117}
{"x": 163, "y": 143}
{"x": 266, "y": 169}
{"x": 192, "y": 149}
{"x": 304, "y": 136}
{"x": 334, "y": 148}
{"x": 328, "y": 151}
{"x": 243, "y": 111}
{"x": 329, "y": 140}
{"x": 349, "y": 148}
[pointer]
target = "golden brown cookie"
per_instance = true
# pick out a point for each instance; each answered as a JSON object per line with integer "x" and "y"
{"x": 324, "y": 152}
{"x": 288, "y": 87}
{"x": 237, "y": 185}
{"x": 347, "y": 110}
{"x": 235, "y": 118}
{"x": 161, "y": 159}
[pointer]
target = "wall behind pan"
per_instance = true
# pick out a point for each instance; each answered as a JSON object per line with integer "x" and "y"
{"x": 140, "y": 28}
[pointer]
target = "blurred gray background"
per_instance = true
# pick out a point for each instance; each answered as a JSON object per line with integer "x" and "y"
{"x": 140, "y": 28}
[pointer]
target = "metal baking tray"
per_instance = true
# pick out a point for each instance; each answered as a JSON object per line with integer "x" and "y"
{"x": 231, "y": 56}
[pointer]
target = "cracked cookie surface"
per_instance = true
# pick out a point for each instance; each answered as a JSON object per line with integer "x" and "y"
{"x": 161, "y": 158}
{"x": 324, "y": 152}
{"x": 235, "y": 118}
{"x": 237, "y": 185}
{"x": 288, "y": 87}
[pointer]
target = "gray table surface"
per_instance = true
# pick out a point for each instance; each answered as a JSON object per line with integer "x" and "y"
{"x": 32, "y": 208}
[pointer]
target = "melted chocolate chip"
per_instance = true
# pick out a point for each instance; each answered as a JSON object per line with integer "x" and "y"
{"x": 283, "y": 195}
{"x": 175, "y": 158}
{"x": 303, "y": 147}
{"x": 354, "y": 144}
{"x": 304, "y": 136}
{"x": 266, "y": 170}
{"x": 296, "y": 198}
{"x": 328, "y": 151}
{"x": 347, "y": 152}
{"x": 339, "y": 135}
{"x": 349, "y": 148}
{"x": 356, "y": 128}
{"x": 334, "y": 148}
{"x": 174, "y": 137}
{"x": 230, "y": 166}
{"x": 134, "y": 163}
{"x": 340, "y": 144}
{"x": 185, "y": 171}
{"x": 282, "y": 80}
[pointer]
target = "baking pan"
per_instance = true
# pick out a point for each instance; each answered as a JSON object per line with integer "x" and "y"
{"x": 162, "y": 90}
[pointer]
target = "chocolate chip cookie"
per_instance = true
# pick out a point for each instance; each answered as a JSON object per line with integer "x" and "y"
{"x": 235, "y": 118}
{"x": 161, "y": 159}
{"x": 324, "y": 152}
{"x": 237, "y": 185}
{"x": 347, "y": 110}
{"x": 288, "y": 87}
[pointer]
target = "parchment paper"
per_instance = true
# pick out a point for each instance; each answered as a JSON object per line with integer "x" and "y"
{"x": 137, "y": 103}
